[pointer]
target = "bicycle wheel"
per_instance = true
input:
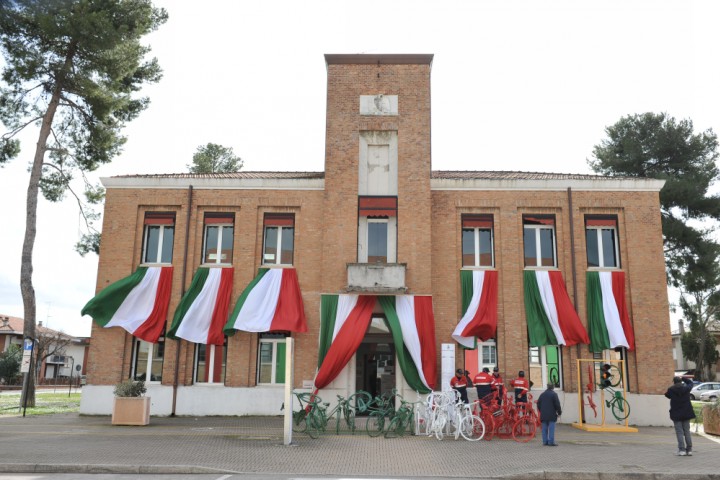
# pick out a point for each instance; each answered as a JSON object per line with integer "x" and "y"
{"x": 299, "y": 424}
{"x": 350, "y": 419}
{"x": 314, "y": 425}
{"x": 524, "y": 430}
{"x": 394, "y": 428}
{"x": 472, "y": 428}
{"x": 620, "y": 408}
{"x": 489, "y": 422}
{"x": 375, "y": 424}
{"x": 438, "y": 426}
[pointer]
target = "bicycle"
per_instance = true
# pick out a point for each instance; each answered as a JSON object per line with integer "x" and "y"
{"x": 401, "y": 420}
{"x": 619, "y": 407}
{"x": 381, "y": 408}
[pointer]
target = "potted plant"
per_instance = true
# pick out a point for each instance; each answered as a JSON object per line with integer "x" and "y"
{"x": 711, "y": 418}
{"x": 130, "y": 406}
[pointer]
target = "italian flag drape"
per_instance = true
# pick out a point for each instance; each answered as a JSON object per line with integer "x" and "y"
{"x": 551, "y": 317}
{"x": 271, "y": 302}
{"x": 138, "y": 303}
{"x": 479, "y": 305}
{"x": 203, "y": 310}
{"x": 345, "y": 320}
{"x": 608, "y": 318}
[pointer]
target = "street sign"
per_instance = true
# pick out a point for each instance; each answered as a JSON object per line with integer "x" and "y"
{"x": 27, "y": 355}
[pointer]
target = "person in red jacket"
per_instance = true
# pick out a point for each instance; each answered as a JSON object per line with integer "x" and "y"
{"x": 521, "y": 386}
{"x": 483, "y": 383}
{"x": 498, "y": 386}
{"x": 459, "y": 383}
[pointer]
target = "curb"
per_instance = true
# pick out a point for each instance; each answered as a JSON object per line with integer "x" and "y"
{"x": 111, "y": 468}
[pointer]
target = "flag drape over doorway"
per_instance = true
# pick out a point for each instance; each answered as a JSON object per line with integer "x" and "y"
{"x": 608, "y": 319}
{"x": 479, "y": 305}
{"x": 345, "y": 320}
{"x": 551, "y": 317}
{"x": 138, "y": 303}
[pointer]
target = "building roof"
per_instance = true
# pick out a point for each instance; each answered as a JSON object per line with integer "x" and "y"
{"x": 440, "y": 180}
{"x": 379, "y": 59}
{"x": 16, "y": 326}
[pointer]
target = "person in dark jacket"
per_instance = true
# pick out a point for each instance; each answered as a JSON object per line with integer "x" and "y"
{"x": 550, "y": 410}
{"x": 681, "y": 412}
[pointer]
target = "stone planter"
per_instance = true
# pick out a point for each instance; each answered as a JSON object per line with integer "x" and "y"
{"x": 131, "y": 411}
{"x": 711, "y": 419}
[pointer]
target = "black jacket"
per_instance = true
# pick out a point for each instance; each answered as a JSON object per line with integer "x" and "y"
{"x": 549, "y": 406}
{"x": 680, "y": 406}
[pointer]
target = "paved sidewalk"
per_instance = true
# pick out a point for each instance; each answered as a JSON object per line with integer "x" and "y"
{"x": 71, "y": 443}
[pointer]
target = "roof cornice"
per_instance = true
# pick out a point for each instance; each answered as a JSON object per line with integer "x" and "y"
{"x": 379, "y": 58}
{"x": 598, "y": 185}
{"x": 215, "y": 183}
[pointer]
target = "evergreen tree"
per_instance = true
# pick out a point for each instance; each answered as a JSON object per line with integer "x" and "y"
{"x": 72, "y": 69}
{"x": 214, "y": 158}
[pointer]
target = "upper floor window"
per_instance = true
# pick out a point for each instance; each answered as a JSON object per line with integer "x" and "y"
{"x": 377, "y": 227}
{"x": 477, "y": 241}
{"x": 218, "y": 239}
{"x": 147, "y": 361}
{"x": 539, "y": 240}
{"x": 278, "y": 246}
{"x": 601, "y": 238}
{"x": 210, "y": 361}
{"x": 158, "y": 237}
{"x": 271, "y": 358}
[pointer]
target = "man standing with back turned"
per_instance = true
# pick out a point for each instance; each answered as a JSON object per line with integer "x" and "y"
{"x": 549, "y": 406}
{"x": 681, "y": 412}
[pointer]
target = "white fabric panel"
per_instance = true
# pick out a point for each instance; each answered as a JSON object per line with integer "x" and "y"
{"x": 469, "y": 342}
{"x": 346, "y": 304}
{"x": 616, "y": 334}
{"x": 405, "y": 307}
{"x": 259, "y": 308}
{"x": 196, "y": 323}
{"x": 139, "y": 304}
{"x": 548, "y": 299}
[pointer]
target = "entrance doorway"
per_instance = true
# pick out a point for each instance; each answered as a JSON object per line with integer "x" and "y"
{"x": 375, "y": 360}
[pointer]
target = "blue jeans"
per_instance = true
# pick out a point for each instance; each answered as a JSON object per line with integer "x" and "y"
{"x": 548, "y": 433}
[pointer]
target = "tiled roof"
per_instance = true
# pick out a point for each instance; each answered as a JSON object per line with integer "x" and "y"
{"x": 16, "y": 326}
{"x": 238, "y": 175}
{"x": 505, "y": 175}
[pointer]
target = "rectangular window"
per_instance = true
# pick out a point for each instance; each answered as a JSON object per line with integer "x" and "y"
{"x": 218, "y": 238}
{"x": 271, "y": 358}
{"x": 545, "y": 366}
{"x": 477, "y": 241}
{"x": 148, "y": 360}
{"x": 601, "y": 238}
{"x": 377, "y": 227}
{"x": 210, "y": 363}
{"x": 377, "y": 241}
{"x": 539, "y": 240}
{"x": 158, "y": 237}
{"x": 278, "y": 246}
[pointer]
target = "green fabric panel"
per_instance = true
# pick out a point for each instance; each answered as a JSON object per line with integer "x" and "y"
{"x": 187, "y": 300}
{"x": 328, "y": 315}
{"x": 466, "y": 291}
{"x": 280, "y": 363}
{"x": 103, "y": 306}
{"x": 404, "y": 359}
{"x": 539, "y": 330}
{"x": 599, "y": 338}
{"x": 229, "y": 329}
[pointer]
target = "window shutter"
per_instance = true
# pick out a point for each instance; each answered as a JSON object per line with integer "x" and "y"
{"x": 159, "y": 218}
{"x": 600, "y": 222}
{"x": 539, "y": 220}
{"x": 215, "y": 218}
{"x": 279, "y": 220}
{"x": 377, "y": 206}
{"x": 477, "y": 221}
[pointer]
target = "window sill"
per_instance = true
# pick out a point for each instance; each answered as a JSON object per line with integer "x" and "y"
{"x": 215, "y": 265}
{"x": 155, "y": 265}
{"x": 208, "y": 384}
{"x": 478, "y": 268}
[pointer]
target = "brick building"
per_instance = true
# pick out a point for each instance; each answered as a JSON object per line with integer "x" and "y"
{"x": 380, "y": 221}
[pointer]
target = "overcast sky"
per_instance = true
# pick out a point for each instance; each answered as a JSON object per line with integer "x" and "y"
{"x": 516, "y": 85}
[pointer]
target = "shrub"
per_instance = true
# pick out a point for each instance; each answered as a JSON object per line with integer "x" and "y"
{"x": 130, "y": 388}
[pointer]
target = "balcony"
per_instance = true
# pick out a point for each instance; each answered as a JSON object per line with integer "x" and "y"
{"x": 383, "y": 278}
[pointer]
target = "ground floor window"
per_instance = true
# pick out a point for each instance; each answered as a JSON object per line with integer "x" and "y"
{"x": 271, "y": 358}
{"x": 147, "y": 361}
{"x": 545, "y": 366}
{"x": 210, "y": 361}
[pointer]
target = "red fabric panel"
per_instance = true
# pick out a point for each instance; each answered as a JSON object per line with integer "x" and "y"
{"x": 570, "y": 324}
{"x": 541, "y": 220}
{"x": 425, "y": 323}
{"x": 346, "y": 342}
{"x": 217, "y": 363}
{"x": 378, "y": 206}
{"x": 213, "y": 219}
{"x": 152, "y": 328}
{"x": 279, "y": 220}
{"x": 220, "y": 312}
{"x": 601, "y": 222}
{"x": 477, "y": 221}
{"x": 618, "y": 286}
{"x": 290, "y": 312}
{"x": 160, "y": 218}
{"x": 484, "y": 323}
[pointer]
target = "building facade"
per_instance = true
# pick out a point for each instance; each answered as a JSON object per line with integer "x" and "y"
{"x": 379, "y": 221}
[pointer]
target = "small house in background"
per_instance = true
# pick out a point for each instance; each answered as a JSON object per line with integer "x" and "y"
{"x": 63, "y": 356}
{"x": 684, "y": 365}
